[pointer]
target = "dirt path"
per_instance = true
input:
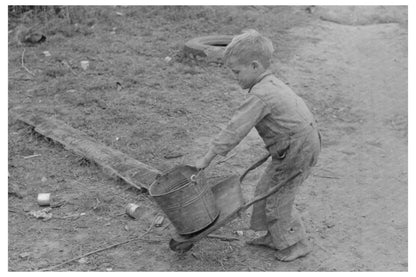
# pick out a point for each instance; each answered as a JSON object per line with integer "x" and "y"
{"x": 367, "y": 206}
{"x": 360, "y": 74}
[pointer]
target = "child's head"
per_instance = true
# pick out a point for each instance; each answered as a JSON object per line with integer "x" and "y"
{"x": 248, "y": 55}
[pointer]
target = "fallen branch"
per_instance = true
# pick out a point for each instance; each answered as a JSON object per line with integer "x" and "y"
{"x": 32, "y": 156}
{"x": 98, "y": 250}
{"x": 23, "y": 64}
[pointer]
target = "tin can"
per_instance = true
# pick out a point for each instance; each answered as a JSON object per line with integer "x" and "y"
{"x": 85, "y": 64}
{"x": 44, "y": 199}
{"x": 132, "y": 210}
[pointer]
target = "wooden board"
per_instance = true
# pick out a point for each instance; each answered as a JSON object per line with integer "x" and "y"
{"x": 133, "y": 172}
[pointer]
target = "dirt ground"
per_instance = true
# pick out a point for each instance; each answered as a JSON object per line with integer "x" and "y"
{"x": 348, "y": 63}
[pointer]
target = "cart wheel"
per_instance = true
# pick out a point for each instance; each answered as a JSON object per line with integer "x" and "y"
{"x": 180, "y": 247}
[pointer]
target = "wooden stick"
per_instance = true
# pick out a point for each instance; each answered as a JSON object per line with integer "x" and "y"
{"x": 90, "y": 253}
{"x": 23, "y": 64}
{"x": 32, "y": 156}
{"x": 113, "y": 162}
{"x": 98, "y": 250}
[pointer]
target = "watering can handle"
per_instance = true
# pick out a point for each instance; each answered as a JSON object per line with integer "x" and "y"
{"x": 255, "y": 165}
{"x": 193, "y": 178}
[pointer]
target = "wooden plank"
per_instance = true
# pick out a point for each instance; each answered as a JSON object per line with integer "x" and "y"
{"x": 132, "y": 171}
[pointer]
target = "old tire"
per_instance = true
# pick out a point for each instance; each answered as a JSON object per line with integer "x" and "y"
{"x": 210, "y": 48}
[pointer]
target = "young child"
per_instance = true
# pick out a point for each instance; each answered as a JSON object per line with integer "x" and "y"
{"x": 289, "y": 132}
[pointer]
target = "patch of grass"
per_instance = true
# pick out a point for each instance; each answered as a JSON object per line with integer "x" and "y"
{"x": 153, "y": 91}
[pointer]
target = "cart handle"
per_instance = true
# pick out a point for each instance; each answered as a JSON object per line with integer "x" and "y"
{"x": 255, "y": 165}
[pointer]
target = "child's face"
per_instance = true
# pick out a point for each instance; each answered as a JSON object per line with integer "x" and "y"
{"x": 245, "y": 74}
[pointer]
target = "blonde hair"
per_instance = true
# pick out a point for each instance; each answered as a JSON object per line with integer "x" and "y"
{"x": 249, "y": 46}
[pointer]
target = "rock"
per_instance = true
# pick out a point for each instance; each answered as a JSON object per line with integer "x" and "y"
{"x": 83, "y": 260}
{"x": 119, "y": 86}
{"x": 24, "y": 255}
{"x": 42, "y": 214}
{"x": 34, "y": 38}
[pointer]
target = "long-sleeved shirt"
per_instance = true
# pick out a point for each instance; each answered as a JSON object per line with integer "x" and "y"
{"x": 272, "y": 108}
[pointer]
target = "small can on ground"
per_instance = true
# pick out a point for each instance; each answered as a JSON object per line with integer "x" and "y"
{"x": 132, "y": 210}
{"x": 85, "y": 64}
{"x": 44, "y": 199}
